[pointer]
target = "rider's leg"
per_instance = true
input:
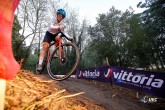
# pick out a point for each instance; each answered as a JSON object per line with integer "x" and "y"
{"x": 43, "y": 52}
{"x": 42, "y": 55}
{"x": 47, "y": 39}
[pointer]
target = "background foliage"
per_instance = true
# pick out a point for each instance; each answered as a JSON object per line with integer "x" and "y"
{"x": 125, "y": 38}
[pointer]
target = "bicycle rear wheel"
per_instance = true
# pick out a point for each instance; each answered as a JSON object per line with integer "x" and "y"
{"x": 62, "y": 69}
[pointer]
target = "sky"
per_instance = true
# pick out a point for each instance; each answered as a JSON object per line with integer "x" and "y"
{"x": 90, "y": 9}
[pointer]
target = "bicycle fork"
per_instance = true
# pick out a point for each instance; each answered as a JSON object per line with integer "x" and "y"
{"x": 61, "y": 52}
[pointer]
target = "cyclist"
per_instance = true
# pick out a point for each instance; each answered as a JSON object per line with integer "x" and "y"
{"x": 50, "y": 34}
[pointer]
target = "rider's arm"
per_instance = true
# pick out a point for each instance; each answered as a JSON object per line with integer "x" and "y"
{"x": 54, "y": 27}
{"x": 66, "y": 34}
{"x": 60, "y": 27}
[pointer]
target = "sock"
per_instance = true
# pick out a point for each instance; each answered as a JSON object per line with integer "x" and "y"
{"x": 40, "y": 61}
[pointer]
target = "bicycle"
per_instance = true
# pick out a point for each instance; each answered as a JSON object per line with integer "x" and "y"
{"x": 63, "y": 61}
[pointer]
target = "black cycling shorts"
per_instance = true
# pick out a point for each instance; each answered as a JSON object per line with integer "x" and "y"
{"x": 49, "y": 37}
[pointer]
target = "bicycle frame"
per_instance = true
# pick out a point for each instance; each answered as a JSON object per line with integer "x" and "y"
{"x": 57, "y": 43}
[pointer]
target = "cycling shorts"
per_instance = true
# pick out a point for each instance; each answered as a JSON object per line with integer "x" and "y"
{"x": 49, "y": 37}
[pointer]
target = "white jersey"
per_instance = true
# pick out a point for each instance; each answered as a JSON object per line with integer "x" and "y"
{"x": 53, "y": 28}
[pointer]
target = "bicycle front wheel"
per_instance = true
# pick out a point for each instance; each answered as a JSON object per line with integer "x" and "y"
{"x": 60, "y": 69}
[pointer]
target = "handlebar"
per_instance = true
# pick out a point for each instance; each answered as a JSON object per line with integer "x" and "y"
{"x": 63, "y": 35}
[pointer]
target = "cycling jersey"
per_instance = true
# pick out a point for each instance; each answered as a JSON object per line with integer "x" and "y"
{"x": 53, "y": 28}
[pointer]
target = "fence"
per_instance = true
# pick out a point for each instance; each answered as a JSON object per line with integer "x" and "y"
{"x": 142, "y": 81}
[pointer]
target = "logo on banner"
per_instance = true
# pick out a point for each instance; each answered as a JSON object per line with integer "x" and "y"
{"x": 147, "y": 99}
{"x": 138, "y": 80}
{"x": 80, "y": 74}
{"x": 109, "y": 72}
{"x": 89, "y": 74}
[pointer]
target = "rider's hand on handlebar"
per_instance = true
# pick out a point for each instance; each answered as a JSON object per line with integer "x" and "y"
{"x": 61, "y": 27}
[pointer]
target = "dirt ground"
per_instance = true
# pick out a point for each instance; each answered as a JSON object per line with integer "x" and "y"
{"x": 110, "y": 97}
{"x": 29, "y": 91}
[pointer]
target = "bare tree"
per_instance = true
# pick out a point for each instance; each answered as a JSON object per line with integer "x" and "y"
{"x": 32, "y": 18}
{"x": 78, "y": 30}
